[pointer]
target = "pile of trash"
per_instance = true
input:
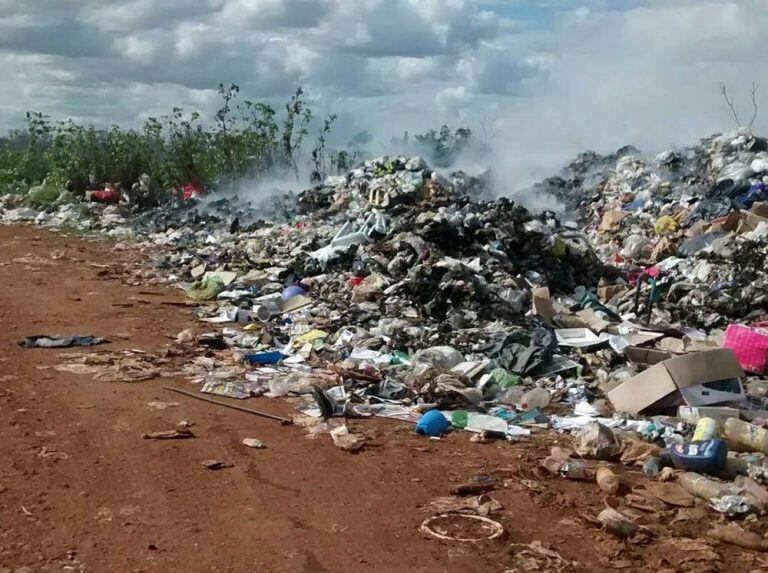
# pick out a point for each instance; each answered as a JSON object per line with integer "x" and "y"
{"x": 696, "y": 219}
{"x": 394, "y": 291}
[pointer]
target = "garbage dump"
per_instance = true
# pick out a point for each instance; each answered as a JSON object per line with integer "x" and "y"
{"x": 637, "y": 322}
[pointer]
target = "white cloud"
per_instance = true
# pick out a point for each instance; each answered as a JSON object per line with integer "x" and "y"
{"x": 546, "y": 78}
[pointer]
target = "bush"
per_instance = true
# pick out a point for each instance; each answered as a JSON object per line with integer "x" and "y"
{"x": 246, "y": 140}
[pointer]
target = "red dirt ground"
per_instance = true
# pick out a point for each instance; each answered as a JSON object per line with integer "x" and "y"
{"x": 120, "y": 503}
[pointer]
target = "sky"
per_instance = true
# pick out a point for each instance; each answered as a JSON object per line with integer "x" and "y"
{"x": 539, "y": 80}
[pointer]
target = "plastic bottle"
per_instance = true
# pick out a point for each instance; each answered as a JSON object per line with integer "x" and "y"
{"x": 535, "y": 398}
{"x": 706, "y": 488}
{"x": 652, "y": 467}
{"x": 607, "y": 481}
{"x": 511, "y": 396}
{"x": 745, "y": 437}
{"x": 706, "y": 429}
{"x": 735, "y": 467}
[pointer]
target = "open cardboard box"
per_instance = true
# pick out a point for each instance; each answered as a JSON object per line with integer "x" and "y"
{"x": 646, "y": 356}
{"x": 738, "y": 222}
{"x": 693, "y": 414}
{"x": 697, "y": 379}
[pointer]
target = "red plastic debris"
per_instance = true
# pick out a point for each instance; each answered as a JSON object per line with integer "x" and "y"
{"x": 106, "y": 196}
{"x": 193, "y": 189}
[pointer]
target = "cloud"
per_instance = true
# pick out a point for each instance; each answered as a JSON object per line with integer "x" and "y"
{"x": 542, "y": 79}
{"x": 64, "y": 37}
{"x": 646, "y": 76}
{"x": 270, "y": 14}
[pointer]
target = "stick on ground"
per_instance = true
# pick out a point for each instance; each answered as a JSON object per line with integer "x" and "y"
{"x": 283, "y": 421}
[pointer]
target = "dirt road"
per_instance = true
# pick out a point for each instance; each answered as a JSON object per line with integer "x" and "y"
{"x": 80, "y": 489}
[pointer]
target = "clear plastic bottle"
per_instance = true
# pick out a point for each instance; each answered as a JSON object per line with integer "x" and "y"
{"x": 511, "y": 397}
{"x": 278, "y": 387}
{"x": 652, "y": 467}
{"x": 535, "y": 398}
{"x": 706, "y": 488}
{"x": 745, "y": 437}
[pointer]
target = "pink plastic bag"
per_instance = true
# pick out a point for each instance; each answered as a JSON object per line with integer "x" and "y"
{"x": 750, "y": 345}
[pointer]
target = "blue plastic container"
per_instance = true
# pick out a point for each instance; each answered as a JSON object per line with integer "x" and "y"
{"x": 707, "y": 457}
{"x": 433, "y": 423}
{"x": 271, "y": 357}
{"x": 292, "y": 291}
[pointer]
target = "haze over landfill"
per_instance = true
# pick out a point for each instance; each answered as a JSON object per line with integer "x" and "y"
{"x": 540, "y": 80}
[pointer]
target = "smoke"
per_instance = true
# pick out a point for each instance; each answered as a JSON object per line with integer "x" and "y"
{"x": 646, "y": 77}
{"x": 591, "y": 79}
{"x": 269, "y": 196}
{"x": 597, "y": 79}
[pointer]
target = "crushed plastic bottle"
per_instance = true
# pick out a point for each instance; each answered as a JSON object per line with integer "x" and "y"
{"x": 745, "y": 437}
{"x": 707, "y": 488}
{"x": 532, "y": 399}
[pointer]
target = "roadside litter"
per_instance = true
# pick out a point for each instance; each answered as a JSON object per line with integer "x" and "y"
{"x": 638, "y": 324}
{"x": 180, "y": 433}
{"x": 45, "y": 341}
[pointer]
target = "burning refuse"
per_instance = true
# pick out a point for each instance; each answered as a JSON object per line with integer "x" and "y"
{"x": 394, "y": 290}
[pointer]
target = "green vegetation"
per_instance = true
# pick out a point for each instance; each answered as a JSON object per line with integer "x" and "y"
{"x": 247, "y": 140}
{"x": 442, "y": 147}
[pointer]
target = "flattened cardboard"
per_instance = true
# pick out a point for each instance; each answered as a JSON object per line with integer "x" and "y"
{"x": 671, "y": 344}
{"x": 542, "y": 304}
{"x": 673, "y": 374}
{"x": 295, "y": 303}
{"x": 641, "y": 338}
{"x": 593, "y": 320}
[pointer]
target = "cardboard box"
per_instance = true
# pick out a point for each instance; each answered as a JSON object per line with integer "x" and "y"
{"x": 542, "y": 304}
{"x": 738, "y": 222}
{"x": 694, "y": 414}
{"x": 760, "y": 209}
{"x": 544, "y": 307}
{"x": 646, "y": 356}
{"x": 699, "y": 379}
{"x": 606, "y": 293}
{"x": 593, "y": 321}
